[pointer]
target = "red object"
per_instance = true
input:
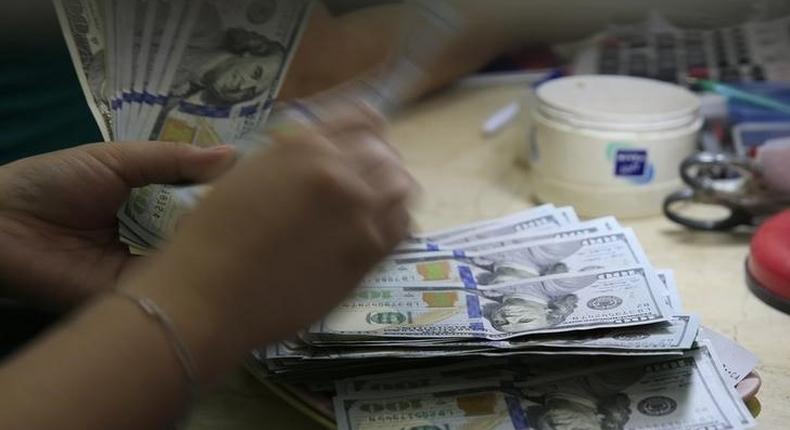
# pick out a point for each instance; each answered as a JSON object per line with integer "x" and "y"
{"x": 699, "y": 72}
{"x": 768, "y": 265}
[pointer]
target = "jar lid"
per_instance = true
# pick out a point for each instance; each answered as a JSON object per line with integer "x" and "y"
{"x": 678, "y": 123}
{"x": 617, "y": 102}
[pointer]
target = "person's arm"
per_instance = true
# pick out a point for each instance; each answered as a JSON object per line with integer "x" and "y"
{"x": 336, "y": 49}
{"x": 110, "y": 366}
{"x": 280, "y": 239}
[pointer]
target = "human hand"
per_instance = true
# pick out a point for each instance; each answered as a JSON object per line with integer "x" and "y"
{"x": 280, "y": 240}
{"x": 58, "y": 227}
{"x": 774, "y": 157}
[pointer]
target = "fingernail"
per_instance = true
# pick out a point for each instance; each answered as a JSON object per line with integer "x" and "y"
{"x": 223, "y": 148}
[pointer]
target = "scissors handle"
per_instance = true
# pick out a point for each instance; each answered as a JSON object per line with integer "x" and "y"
{"x": 737, "y": 216}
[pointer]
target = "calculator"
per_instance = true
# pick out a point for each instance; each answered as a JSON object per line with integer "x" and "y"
{"x": 753, "y": 51}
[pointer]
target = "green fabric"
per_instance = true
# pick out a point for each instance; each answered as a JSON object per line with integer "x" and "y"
{"x": 42, "y": 107}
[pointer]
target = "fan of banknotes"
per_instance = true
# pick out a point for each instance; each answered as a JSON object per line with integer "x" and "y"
{"x": 534, "y": 320}
{"x": 199, "y": 71}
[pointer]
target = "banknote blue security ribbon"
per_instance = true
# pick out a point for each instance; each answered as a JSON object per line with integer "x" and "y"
{"x": 472, "y": 301}
{"x": 216, "y": 111}
{"x": 467, "y": 277}
{"x": 151, "y": 99}
{"x": 516, "y": 413}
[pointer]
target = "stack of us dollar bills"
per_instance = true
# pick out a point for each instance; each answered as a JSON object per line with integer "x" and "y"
{"x": 203, "y": 72}
{"x": 533, "y": 320}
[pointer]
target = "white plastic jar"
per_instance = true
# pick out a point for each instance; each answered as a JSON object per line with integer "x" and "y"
{"x": 610, "y": 145}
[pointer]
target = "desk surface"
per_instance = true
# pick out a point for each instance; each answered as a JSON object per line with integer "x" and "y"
{"x": 466, "y": 178}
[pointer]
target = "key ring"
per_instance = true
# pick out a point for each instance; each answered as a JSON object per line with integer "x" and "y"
{"x": 731, "y": 182}
{"x": 712, "y": 174}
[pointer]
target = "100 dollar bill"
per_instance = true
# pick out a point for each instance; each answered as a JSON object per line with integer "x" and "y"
{"x": 83, "y": 26}
{"x": 527, "y": 260}
{"x": 676, "y": 335}
{"x": 677, "y": 393}
{"x": 583, "y": 301}
{"x": 562, "y": 216}
{"x": 537, "y": 218}
{"x": 599, "y": 225}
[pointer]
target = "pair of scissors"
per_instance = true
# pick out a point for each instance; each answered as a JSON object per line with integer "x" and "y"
{"x": 728, "y": 181}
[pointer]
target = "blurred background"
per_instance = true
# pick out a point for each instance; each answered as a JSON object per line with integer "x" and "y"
{"x": 42, "y": 107}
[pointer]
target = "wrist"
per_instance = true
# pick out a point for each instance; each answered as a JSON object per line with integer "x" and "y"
{"x": 206, "y": 332}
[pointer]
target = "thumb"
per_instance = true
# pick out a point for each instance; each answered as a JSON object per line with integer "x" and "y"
{"x": 143, "y": 163}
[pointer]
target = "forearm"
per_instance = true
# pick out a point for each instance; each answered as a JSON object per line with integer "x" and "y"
{"x": 106, "y": 368}
{"x": 336, "y": 49}
{"x": 111, "y": 366}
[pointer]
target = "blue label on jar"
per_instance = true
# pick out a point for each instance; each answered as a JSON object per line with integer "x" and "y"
{"x": 630, "y": 162}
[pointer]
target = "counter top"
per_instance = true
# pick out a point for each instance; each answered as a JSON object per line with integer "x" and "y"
{"x": 466, "y": 178}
